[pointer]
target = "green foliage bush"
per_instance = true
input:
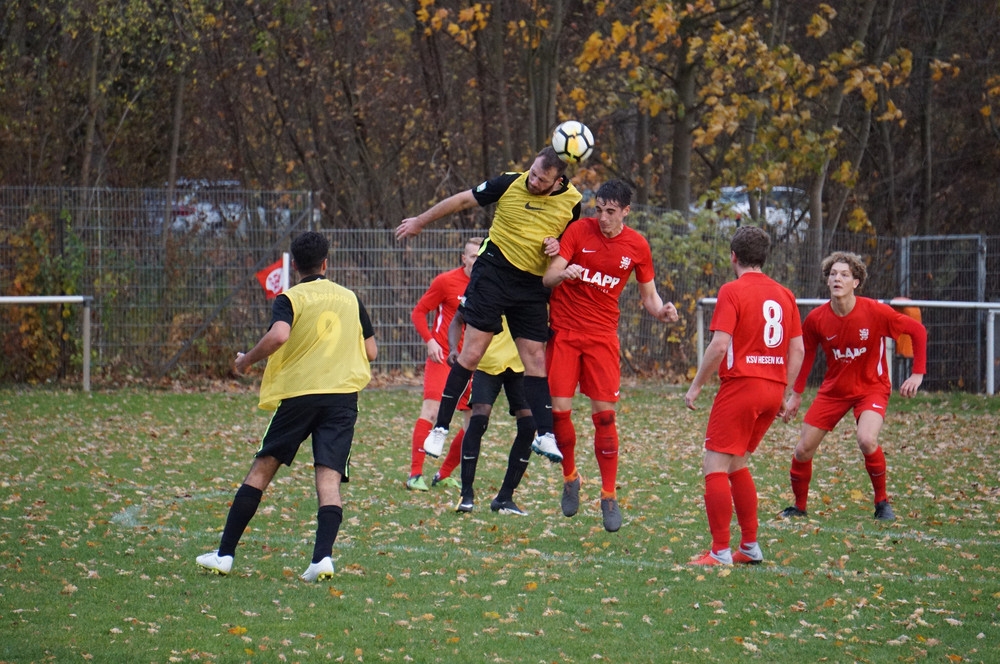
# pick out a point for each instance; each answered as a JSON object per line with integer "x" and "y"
{"x": 47, "y": 259}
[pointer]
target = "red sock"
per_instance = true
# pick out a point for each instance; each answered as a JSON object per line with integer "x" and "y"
{"x": 875, "y": 465}
{"x": 606, "y": 451}
{"x": 801, "y": 473}
{"x": 719, "y": 507}
{"x": 454, "y": 456}
{"x": 744, "y": 493}
{"x": 562, "y": 427}
{"x": 420, "y": 431}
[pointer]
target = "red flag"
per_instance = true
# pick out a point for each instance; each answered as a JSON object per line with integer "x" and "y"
{"x": 270, "y": 279}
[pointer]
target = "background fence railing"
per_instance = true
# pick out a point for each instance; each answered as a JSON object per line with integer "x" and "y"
{"x": 175, "y": 293}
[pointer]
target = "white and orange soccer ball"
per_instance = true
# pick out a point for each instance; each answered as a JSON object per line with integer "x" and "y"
{"x": 573, "y": 141}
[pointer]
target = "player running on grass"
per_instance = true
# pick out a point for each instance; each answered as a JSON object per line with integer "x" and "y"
{"x": 442, "y": 297}
{"x": 318, "y": 346}
{"x": 851, "y": 330}
{"x": 596, "y": 257}
{"x": 757, "y": 349}
{"x": 500, "y": 368}
{"x": 532, "y": 210}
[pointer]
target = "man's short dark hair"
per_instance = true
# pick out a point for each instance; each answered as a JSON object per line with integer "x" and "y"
{"x": 615, "y": 191}
{"x": 751, "y": 245}
{"x": 550, "y": 160}
{"x": 309, "y": 250}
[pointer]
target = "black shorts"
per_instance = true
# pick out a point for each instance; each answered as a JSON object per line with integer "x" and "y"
{"x": 497, "y": 288}
{"x": 328, "y": 418}
{"x": 486, "y": 389}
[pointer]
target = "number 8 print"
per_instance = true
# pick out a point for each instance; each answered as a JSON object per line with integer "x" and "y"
{"x": 773, "y": 331}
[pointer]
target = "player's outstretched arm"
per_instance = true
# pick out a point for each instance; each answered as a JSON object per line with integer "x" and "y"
{"x": 560, "y": 270}
{"x": 796, "y": 353}
{"x": 272, "y": 340}
{"x": 709, "y": 365}
{"x": 412, "y": 226}
{"x": 653, "y": 303}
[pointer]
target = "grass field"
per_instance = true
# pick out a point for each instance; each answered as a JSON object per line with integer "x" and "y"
{"x": 106, "y": 499}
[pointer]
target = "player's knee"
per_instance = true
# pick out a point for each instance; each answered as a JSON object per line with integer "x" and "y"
{"x": 604, "y": 418}
{"x": 802, "y": 454}
{"x": 867, "y": 444}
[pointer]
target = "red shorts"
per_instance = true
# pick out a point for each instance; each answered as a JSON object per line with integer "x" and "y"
{"x": 742, "y": 412}
{"x": 435, "y": 376}
{"x": 584, "y": 360}
{"x": 826, "y": 411}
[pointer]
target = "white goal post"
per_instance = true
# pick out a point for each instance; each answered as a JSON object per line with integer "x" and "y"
{"x": 992, "y": 309}
{"x": 85, "y": 300}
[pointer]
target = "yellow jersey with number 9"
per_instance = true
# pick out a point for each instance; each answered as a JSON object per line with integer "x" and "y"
{"x": 325, "y": 351}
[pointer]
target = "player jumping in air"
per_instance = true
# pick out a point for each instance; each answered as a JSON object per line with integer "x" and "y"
{"x": 532, "y": 210}
{"x": 596, "y": 257}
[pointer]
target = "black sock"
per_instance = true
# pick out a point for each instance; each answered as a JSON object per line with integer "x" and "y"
{"x": 471, "y": 444}
{"x": 328, "y": 520}
{"x": 517, "y": 461}
{"x": 454, "y": 388}
{"x": 244, "y": 507}
{"x": 536, "y": 393}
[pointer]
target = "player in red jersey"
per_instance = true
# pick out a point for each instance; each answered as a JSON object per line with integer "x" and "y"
{"x": 442, "y": 298}
{"x": 596, "y": 257}
{"x": 757, "y": 349}
{"x": 851, "y": 330}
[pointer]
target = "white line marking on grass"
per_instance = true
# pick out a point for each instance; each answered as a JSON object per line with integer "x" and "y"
{"x": 888, "y": 533}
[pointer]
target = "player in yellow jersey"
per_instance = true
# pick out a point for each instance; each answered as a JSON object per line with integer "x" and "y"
{"x": 532, "y": 210}
{"x": 500, "y": 368}
{"x": 318, "y": 346}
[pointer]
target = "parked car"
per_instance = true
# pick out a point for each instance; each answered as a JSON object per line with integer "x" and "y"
{"x": 785, "y": 210}
{"x": 221, "y": 207}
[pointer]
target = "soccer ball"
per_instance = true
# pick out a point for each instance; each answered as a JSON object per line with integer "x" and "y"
{"x": 572, "y": 141}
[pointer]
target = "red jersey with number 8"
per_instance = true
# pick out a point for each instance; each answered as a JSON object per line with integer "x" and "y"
{"x": 761, "y": 316}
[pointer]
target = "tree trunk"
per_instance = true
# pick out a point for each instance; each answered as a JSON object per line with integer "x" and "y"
{"x": 680, "y": 164}
{"x": 642, "y": 149}
{"x": 92, "y": 110}
{"x": 814, "y": 238}
{"x": 926, "y": 123}
{"x": 542, "y": 73}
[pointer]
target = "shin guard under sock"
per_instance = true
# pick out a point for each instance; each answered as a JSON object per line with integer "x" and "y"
{"x": 471, "y": 444}
{"x": 606, "y": 450}
{"x": 244, "y": 506}
{"x": 801, "y": 474}
{"x": 417, "y": 455}
{"x": 454, "y": 388}
{"x": 876, "y": 467}
{"x": 517, "y": 461}
{"x": 328, "y": 519}
{"x": 562, "y": 427}
{"x": 744, "y": 492}
{"x": 719, "y": 508}
{"x": 536, "y": 393}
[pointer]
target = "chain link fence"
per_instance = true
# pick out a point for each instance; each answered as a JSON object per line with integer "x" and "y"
{"x": 172, "y": 274}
